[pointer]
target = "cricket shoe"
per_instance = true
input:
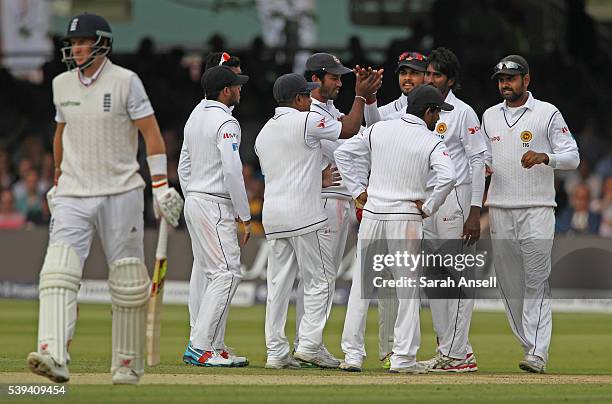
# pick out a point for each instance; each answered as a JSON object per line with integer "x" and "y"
{"x": 237, "y": 361}
{"x": 43, "y": 364}
{"x": 199, "y": 357}
{"x": 322, "y": 361}
{"x": 125, "y": 375}
{"x": 533, "y": 364}
{"x": 385, "y": 362}
{"x": 446, "y": 364}
{"x": 331, "y": 358}
{"x": 286, "y": 363}
{"x": 417, "y": 368}
{"x": 349, "y": 367}
{"x": 186, "y": 356}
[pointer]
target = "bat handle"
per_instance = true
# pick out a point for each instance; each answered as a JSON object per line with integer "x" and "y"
{"x": 162, "y": 240}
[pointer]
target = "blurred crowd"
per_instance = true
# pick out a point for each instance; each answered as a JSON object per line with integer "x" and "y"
{"x": 576, "y": 82}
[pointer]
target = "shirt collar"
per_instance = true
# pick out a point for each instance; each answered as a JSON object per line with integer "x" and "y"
{"x": 88, "y": 81}
{"x": 217, "y": 104}
{"x": 529, "y": 104}
{"x": 327, "y": 104}
{"x": 413, "y": 119}
{"x": 284, "y": 110}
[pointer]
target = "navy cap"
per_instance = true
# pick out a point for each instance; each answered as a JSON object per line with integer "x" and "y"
{"x": 287, "y": 86}
{"x": 426, "y": 94}
{"x": 326, "y": 62}
{"x": 511, "y": 65}
{"x": 218, "y": 77}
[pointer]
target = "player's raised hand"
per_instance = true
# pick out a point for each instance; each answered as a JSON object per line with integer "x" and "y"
{"x": 532, "y": 158}
{"x": 331, "y": 176}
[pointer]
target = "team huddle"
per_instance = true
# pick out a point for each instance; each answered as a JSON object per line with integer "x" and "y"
{"x": 414, "y": 173}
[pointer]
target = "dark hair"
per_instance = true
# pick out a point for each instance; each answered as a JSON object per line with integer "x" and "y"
{"x": 445, "y": 61}
{"x": 319, "y": 73}
{"x": 213, "y": 59}
{"x": 419, "y": 110}
{"x": 213, "y": 95}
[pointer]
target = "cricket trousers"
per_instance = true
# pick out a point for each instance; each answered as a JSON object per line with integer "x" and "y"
{"x": 375, "y": 236}
{"x": 310, "y": 255}
{"x": 216, "y": 253}
{"x": 522, "y": 243}
{"x": 340, "y": 216}
{"x": 451, "y": 317}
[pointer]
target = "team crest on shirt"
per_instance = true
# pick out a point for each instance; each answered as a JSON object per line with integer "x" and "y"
{"x": 321, "y": 123}
{"x": 526, "y": 137}
{"x": 441, "y": 129}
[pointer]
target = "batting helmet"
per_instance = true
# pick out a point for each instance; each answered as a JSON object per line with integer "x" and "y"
{"x": 87, "y": 26}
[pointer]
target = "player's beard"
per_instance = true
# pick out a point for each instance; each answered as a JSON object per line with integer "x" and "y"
{"x": 329, "y": 93}
{"x": 513, "y": 95}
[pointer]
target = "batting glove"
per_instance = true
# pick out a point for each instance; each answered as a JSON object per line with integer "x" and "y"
{"x": 167, "y": 202}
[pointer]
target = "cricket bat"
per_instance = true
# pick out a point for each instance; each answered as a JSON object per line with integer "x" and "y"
{"x": 153, "y": 331}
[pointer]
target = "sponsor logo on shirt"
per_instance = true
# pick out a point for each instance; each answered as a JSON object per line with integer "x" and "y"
{"x": 473, "y": 130}
{"x": 70, "y": 103}
{"x": 526, "y": 137}
{"x": 321, "y": 123}
{"x": 496, "y": 139}
{"x": 565, "y": 129}
{"x": 445, "y": 154}
{"x": 229, "y": 135}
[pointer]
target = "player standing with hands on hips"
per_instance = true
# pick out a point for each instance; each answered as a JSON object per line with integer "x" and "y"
{"x": 100, "y": 107}
{"x": 528, "y": 140}
{"x": 215, "y": 199}
{"x": 400, "y": 153}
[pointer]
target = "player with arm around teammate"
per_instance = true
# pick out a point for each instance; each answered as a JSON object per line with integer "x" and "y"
{"x": 528, "y": 139}
{"x": 400, "y": 153}
{"x": 327, "y": 70}
{"x": 100, "y": 107}
{"x": 297, "y": 230}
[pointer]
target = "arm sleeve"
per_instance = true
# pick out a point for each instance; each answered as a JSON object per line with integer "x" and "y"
{"x": 475, "y": 146}
{"x": 477, "y": 166}
{"x": 353, "y": 161}
{"x": 138, "y": 103}
{"x": 564, "y": 154}
{"x": 228, "y": 142}
{"x": 319, "y": 127}
{"x": 59, "y": 117}
{"x": 440, "y": 162}
{"x": 373, "y": 113}
{"x": 184, "y": 167}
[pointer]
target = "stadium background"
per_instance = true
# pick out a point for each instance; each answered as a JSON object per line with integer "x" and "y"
{"x": 568, "y": 44}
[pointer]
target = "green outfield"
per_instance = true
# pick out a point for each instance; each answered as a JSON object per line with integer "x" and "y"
{"x": 580, "y": 367}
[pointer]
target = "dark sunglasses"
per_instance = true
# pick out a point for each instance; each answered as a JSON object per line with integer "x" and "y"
{"x": 508, "y": 65}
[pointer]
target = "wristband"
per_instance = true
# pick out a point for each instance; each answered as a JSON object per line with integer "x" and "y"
{"x": 157, "y": 165}
{"x": 159, "y": 184}
{"x": 359, "y": 96}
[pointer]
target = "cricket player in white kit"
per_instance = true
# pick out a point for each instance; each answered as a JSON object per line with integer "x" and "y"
{"x": 411, "y": 67}
{"x": 327, "y": 70}
{"x": 100, "y": 107}
{"x": 528, "y": 140}
{"x": 198, "y": 280}
{"x": 215, "y": 197}
{"x": 297, "y": 230}
{"x": 401, "y": 154}
{"x": 459, "y": 217}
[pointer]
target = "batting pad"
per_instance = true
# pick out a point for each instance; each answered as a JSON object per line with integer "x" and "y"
{"x": 58, "y": 287}
{"x": 129, "y": 286}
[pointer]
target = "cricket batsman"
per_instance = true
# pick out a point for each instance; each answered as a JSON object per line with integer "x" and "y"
{"x": 100, "y": 108}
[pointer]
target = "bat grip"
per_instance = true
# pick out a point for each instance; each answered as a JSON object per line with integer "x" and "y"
{"x": 162, "y": 240}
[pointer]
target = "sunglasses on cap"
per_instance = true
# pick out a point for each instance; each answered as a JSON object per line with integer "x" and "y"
{"x": 508, "y": 65}
{"x": 412, "y": 56}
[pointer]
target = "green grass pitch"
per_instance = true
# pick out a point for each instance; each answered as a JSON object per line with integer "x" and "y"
{"x": 581, "y": 346}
